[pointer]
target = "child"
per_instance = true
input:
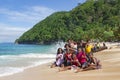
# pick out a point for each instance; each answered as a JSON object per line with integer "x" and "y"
{"x": 82, "y": 58}
{"x": 59, "y": 58}
{"x": 85, "y": 65}
{"x": 71, "y": 60}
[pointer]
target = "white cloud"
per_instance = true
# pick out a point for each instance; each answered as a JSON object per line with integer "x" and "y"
{"x": 10, "y": 33}
{"x": 29, "y": 15}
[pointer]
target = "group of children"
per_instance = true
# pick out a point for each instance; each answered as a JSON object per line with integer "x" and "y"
{"x": 77, "y": 56}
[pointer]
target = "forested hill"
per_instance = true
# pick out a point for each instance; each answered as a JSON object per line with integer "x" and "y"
{"x": 94, "y": 19}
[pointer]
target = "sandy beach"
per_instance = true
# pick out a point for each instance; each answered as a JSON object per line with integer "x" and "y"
{"x": 110, "y": 59}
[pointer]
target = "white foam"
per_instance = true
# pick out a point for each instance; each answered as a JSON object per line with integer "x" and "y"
{"x": 18, "y": 63}
{"x": 30, "y": 55}
{"x": 24, "y": 61}
{"x": 4, "y": 71}
{"x": 41, "y": 62}
{"x": 57, "y": 45}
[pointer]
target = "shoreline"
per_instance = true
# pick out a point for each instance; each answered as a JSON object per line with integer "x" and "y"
{"x": 22, "y": 69}
{"x": 110, "y": 59}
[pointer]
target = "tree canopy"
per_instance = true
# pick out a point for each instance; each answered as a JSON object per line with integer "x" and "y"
{"x": 94, "y": 19}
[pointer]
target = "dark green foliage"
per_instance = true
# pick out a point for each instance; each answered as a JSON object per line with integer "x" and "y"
{"x": 94, "y": 19}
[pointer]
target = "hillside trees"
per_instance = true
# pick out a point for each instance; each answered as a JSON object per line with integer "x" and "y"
{"x": 94, "y": 19}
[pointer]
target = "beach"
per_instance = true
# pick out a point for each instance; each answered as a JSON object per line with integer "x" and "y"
{"x": 110, "y": 59}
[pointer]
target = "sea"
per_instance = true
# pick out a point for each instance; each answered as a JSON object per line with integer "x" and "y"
{"x": 15, "y": 58}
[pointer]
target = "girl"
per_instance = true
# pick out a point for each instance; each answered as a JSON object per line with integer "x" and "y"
{"x": 71, "y": 60}
{"x": 82, "y": 58}
{"x": 59, "y": 58}
{"x": 85, "y": 65}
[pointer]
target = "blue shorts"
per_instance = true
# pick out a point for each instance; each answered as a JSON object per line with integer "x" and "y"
{"x": 84, "y": 65}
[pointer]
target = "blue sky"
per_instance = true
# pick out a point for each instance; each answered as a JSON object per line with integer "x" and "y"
{"x": 18, "y": 16}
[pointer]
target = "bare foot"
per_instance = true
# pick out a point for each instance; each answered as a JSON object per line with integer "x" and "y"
{"x": 78, "y": 70}
{"x": 60, "y": 69}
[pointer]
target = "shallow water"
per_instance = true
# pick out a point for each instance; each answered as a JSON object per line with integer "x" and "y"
{"x": 15, "y": 58}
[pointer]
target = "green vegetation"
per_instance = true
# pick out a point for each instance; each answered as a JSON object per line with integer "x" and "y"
{"x": 94, "y": 19}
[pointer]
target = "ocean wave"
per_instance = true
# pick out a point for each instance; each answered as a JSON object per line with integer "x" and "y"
{"x": 11, "y": 64}
{"x": 30, "y": 55}
{"x": 4, "y": 71}
{"x": 19, "y": 59}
